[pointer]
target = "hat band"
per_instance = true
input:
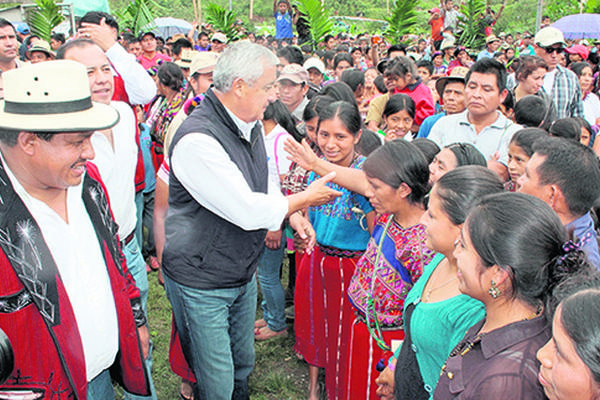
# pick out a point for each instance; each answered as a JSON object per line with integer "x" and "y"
{"x": 61, "y": 107}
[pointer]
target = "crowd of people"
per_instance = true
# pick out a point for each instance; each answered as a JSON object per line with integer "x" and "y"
{"x": 436, "y": 207}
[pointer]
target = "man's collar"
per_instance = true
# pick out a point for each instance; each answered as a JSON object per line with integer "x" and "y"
{"x": 244, "y": 127}
{"x": 500, "y": 122}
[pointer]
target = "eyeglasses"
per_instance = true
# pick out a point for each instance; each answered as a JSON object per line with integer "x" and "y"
{"x": 550, "y": 50}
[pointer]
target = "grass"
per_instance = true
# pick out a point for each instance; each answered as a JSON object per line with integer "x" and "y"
{"x": 278, "y": 374}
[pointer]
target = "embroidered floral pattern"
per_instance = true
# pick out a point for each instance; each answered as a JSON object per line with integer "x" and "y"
{"x": 403, "y": 256}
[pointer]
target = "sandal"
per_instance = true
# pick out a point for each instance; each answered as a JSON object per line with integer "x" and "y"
{"x": 265, "y": 333}
{"x": 259, "y": 323}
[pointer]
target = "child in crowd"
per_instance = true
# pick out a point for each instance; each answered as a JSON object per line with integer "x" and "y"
{"x": 398, "y": 115}
{"x": 520, "y": 151}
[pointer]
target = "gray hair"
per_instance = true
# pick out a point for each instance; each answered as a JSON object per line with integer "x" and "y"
{"x": 243, "y": 60}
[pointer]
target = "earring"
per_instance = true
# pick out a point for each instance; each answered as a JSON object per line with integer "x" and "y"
{"x": 494, "y": 291}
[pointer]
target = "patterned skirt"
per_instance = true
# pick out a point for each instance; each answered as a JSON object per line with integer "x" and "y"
{"x": 363, "y": 356}
{"x": 323, "y": 313}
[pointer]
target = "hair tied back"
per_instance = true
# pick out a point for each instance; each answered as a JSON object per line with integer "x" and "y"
{"x": 568, "y": 262}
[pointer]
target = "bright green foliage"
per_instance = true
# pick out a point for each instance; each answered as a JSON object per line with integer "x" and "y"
{"x": 138, "y": 15}
{"x": 556, "y": 9}
{"x": 403, "y": 18}
{"x": 319, "y": 20}
{"x": 223, "y": 20}
{"x": 44, "y": 18}
{"x": 517, "y": 16}
{"x": 469, "y": 22}
{"x": 593, "y": 6}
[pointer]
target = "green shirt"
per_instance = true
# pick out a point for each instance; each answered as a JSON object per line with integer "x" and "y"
{"x": 436, "y": 328}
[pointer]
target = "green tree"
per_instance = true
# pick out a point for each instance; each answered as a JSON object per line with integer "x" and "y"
{"x": 138, "y": 15}
{"x": 593, "y": 6}
{"x": 319, "y": 21}
{"x": 402, "y": 20}
{"x": 223, "y": 20}
{"x": 557, "y": 9}
{"x": 472, "y": 35}
{"x": 44, "y": 18}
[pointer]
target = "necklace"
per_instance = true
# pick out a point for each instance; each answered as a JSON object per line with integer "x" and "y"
{"x": 434, "y": 288}
{"x": 462, "y": 350}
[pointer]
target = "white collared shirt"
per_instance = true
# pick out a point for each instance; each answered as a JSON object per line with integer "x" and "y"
{"x": 493, "y": 138}
{"x": 140, "y": 86}
{"x": 207, "y": 172}
{"x": 75, "y": 249}
{"x": 117, "y": 167}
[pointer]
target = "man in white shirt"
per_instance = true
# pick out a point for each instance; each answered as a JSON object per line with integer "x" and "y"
{"x": 481, "y": 124}
{"x": 103, "y": 29}
{"x": 220, "y": 208}
{"x": 68, "y": 304}
{"x": 116, "y": 155}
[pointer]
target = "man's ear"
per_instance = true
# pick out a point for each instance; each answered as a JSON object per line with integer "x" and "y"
{"x": 238, "y": 86}
{"x": 27, "y": 142}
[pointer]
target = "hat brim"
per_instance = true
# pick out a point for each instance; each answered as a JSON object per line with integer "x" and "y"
{"x": 287, "y": 78}
{"x": 100, "y": 116}
{"x": 441, "y": 83}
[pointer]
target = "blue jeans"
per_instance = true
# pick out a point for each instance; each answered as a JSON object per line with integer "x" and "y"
{"x": 101, "y": 388}
{"x": 273, "y": 304}
{"x": 137, "y": 267}
{"x": 216, "y": 333}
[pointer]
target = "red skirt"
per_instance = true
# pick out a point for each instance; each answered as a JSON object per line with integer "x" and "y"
{"x": 363, "y": 356}
{"x": 324, "y": 315}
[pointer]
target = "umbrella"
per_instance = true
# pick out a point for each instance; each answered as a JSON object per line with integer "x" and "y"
{"x": 579, "y": 26}
{"x": 167, "y": 27}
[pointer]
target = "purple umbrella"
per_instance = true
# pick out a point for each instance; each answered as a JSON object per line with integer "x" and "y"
{"x": 579, "y": 26}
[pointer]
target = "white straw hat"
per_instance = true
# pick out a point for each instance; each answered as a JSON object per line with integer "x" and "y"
{"x": 52, "y": 96}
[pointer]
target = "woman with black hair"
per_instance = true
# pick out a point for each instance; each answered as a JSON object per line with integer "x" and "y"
{"x": 512, "y": 251}
{"x": 570, "y": 364}
{"x": 169, "y": 84}
{"x": 342, "y": 230}
{"x": 395, "y": 178}
{"x": 453, "y": 156}
{"x": 435, "y": 304}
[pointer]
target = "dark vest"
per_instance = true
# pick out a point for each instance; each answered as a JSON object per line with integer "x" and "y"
{"x": 203, "y": 250}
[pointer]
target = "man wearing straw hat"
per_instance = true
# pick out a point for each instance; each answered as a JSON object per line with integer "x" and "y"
{"x": 67, "y": 302}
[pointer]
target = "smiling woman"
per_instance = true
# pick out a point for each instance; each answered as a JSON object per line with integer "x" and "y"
{"x": 512, "y": 251}
{"x": 570, "y": 367}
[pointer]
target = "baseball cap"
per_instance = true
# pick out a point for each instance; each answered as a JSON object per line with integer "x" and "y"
{"x": 548, "y": 36}
{"x": 434, "y": 10}
{"x": 203, "y": 62}
{"x": 579, "y": 49}
{"x": 315, "y": 63}
{"x": 220, "y": 37}
{"x": 147, "y": 33}
{"x": 23, "y": 28}
{"x": 295, "y": 73}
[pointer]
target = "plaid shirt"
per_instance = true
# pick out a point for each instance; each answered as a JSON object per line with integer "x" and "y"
{"x": 566, "y": 94}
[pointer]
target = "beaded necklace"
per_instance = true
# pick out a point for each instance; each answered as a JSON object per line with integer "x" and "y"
{"x": 469, "y": 344}
{"x": 376, "y": 332}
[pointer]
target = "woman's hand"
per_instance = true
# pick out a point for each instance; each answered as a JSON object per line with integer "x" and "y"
{"x": 301, "y": 154}
{"x": 385, "y": 384}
